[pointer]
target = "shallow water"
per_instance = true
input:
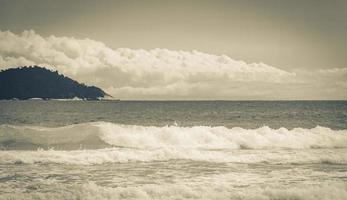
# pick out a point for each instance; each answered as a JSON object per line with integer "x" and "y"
{"x": 173, "y": 150}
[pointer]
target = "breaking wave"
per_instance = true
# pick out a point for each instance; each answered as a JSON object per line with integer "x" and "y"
{"x": 101, "y": 142}
{"x": 123, "y": 155}
{"x": 99, "y": 135}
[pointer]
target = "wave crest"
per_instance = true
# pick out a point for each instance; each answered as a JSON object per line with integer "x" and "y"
{"x": 103, "y": 134}
{"x": 101, "y": 142}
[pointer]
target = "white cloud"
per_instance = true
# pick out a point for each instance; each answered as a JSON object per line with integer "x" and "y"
{"x": 164, "y": 74}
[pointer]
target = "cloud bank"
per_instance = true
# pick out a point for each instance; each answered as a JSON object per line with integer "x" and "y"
{"x": 166, "y": 74}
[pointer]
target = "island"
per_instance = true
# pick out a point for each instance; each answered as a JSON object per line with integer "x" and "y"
{"x": 35, "y": 82}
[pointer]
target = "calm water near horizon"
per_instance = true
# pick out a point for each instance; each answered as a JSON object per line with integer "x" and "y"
{"x": 245, "y": 114}
{"x": 173, "y": 150}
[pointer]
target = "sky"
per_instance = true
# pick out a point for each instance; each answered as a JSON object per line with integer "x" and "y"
{"x": 192, "y": 49}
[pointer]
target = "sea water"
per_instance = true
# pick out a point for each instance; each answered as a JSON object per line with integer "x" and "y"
{"x": 173, "y": 150}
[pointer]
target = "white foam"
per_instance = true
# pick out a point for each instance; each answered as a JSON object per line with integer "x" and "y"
{"x": 197, "y": 137}
{"x": 221, "y": 137}
{"x": 91, "y": 191}
{"x": 149, "y": 143}
{"x": 121, "y": 155}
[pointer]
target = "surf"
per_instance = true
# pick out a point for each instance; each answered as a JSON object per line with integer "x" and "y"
{"x": 99, "y": 135}
{"x": 104, "y": 142}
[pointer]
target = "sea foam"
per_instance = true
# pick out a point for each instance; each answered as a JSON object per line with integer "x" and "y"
{"x": 104, "y": 134}
{"x": 326, "y": 191}
{"x": 101, "y": 142}
{"x": 123, "y": 155}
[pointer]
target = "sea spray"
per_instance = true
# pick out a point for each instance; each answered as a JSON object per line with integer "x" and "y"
{"x": 98, "y": 135}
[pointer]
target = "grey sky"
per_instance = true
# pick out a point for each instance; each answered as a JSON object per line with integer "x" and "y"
{"x": 285, "y": 34}
{"x": 191, "y": 49}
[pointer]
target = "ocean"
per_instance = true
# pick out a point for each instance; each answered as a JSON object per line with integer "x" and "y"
{"x": 256, "y": 150}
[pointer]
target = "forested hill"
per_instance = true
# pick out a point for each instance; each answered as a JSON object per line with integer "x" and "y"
{"x": 38, "y": 82}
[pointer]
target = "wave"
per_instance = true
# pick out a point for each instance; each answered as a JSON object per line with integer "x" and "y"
{"x": 124, "y": 155}
{"x": 102, "y": 142}
{"x": 85, "y": 136}
{"x": 323, "y": 191}
{"x": 98, "y": 135}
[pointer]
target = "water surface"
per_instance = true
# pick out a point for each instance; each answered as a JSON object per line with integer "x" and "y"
{"x": 173, "y": 150}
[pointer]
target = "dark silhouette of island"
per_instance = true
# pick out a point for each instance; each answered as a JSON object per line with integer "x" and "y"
{"x": 37, "y": 82}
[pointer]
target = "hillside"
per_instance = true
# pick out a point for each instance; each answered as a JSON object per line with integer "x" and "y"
{"x": 38, "y": 82}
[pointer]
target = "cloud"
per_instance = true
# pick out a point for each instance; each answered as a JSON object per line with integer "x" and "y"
{"x": 161, "y": 73}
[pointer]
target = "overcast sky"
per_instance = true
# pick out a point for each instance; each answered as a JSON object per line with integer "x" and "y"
{"x": 264, "y": 49}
